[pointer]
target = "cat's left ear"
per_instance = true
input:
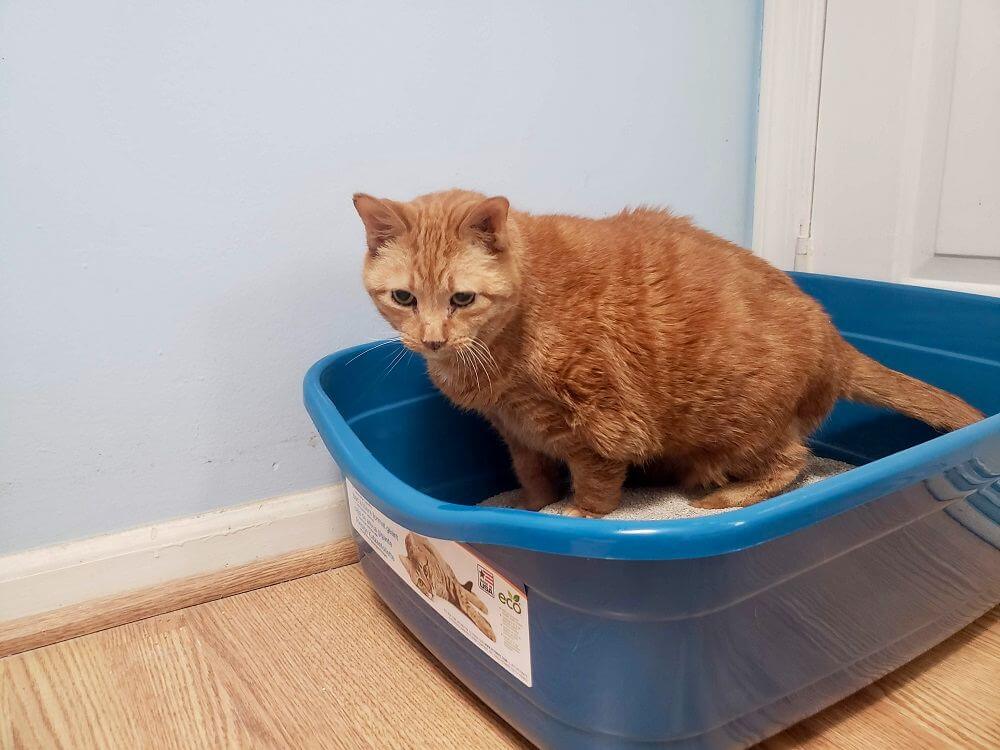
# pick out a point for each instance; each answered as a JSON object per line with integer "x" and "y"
{"x": 408, "y": 564}
{"x": 487, "y": 223}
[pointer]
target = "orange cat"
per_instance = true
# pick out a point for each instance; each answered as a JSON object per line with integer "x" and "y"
{"x": 637, "y": 339}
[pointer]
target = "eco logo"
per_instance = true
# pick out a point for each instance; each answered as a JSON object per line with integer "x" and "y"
{"x": 513, "y": 601}
{"x": 485, "y": 580}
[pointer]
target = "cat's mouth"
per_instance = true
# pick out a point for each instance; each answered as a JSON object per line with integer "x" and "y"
{"x": 439, "y": 354}
{"x": 435, "y": 353}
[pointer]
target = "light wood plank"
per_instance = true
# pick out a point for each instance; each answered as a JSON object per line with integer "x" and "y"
{"x": 6, "y": 707}
{"x": 946, "y": 698}
{"x": 316, "y": 662}
{"x": 320, "y": 662}
{"x": 133, "y": 683}
{"x": 358, "y": 676}
{"x": 89, "y": 617}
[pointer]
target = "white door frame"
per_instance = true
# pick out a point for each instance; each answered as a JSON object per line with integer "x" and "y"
{"x": 787, "y": 121}
{"x": 792, "y": 54}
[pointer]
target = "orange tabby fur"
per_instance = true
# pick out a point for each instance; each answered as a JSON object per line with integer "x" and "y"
{"x": 634, "y": 340}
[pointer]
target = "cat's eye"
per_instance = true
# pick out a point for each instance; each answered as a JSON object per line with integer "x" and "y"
{"x": 462, "y": 299}
{"x": 403, "y": 297}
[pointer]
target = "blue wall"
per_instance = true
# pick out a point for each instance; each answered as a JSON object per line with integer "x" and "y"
{"x": 178, "y": 237}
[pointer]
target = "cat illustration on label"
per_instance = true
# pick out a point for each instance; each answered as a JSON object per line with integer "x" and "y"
{"x": 434, "y": 577}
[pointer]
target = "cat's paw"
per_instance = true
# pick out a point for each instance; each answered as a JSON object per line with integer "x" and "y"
{"x": 571, "y": 511}
{"x": 526, "y": 503}
{"x": 482, "y": 623}
{"x": 469, "y": 597}
{"x": 720, "y": 499}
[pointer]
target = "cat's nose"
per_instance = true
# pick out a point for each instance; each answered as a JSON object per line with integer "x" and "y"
{"x": 433, "y": 345}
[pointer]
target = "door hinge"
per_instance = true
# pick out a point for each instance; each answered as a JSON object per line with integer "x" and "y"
{"x": 803, "y": 248}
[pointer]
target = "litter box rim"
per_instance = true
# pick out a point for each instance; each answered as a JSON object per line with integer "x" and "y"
{"x": 686, "y": 538}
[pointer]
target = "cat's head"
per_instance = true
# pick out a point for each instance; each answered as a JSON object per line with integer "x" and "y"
{"x": 441, "y": 269}
{"x": 419, "y": 562}
{"x": 418, "y": 574}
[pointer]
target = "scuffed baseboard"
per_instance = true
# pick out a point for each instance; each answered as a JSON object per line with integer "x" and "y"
{"x": 65, "y": 575}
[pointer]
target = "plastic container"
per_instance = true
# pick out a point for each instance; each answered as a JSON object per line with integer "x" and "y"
{"x": 711, "y": 632}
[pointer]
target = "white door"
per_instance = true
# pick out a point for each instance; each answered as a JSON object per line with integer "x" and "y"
{"x": 905, "y": 174}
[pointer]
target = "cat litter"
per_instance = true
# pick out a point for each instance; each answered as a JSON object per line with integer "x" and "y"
{"x": 666, "y": 503}
{"x": 699, "y": 630}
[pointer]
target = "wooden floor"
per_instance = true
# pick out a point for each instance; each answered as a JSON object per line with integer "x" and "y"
{"x": 320, "y": 662}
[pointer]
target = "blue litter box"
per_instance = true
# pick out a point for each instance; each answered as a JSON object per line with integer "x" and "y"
{"x": 710, "y": 632}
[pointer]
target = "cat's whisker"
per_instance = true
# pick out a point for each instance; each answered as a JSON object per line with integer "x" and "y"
{"x": 463, "y": 352}
{"x": 477, "y": 358}
{"x": 489, "y": 377}
{"x": 396, "y": 360}
{"x": 365, "y": 351}
{"x": 482, "y": 348}
{"x": 485, "y": 357}
{"x": 486, "y": 351}
{"x": 372, "y": 348}
{"x": 474, "y": 356}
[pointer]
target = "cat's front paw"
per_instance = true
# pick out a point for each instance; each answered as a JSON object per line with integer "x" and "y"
{"x": 527, "y": 503}
{"x": 482, "y": 623}
{"x": 572, "y": 511}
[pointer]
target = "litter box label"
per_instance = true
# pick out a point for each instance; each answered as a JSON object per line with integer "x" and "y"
{"x": 471, "y": 596}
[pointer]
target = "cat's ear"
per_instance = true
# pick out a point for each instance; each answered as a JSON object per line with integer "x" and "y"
{"x": 407, "y": 564}
{"x": 384, "y": 219}
{"x": 487, "y": 223}
{"x": 467, "y": 585}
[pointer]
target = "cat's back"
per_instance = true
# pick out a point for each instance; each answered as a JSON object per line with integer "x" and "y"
{"x": 653, "y": 289}
{"x": 646, "y": 254}
{"x": 578, "y": 238}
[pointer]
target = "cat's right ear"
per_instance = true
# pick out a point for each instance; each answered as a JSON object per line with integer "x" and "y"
{"x": 487, "y": 222}
{"x": 384, "y": 220}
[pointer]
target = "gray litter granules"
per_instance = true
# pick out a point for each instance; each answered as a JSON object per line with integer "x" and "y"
{"x": 665, "y": 503}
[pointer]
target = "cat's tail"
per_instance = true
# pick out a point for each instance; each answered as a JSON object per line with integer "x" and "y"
{"x": 869, "y": 382}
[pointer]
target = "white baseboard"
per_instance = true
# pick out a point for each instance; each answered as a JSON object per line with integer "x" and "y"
{"x": 48, "y": 578}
